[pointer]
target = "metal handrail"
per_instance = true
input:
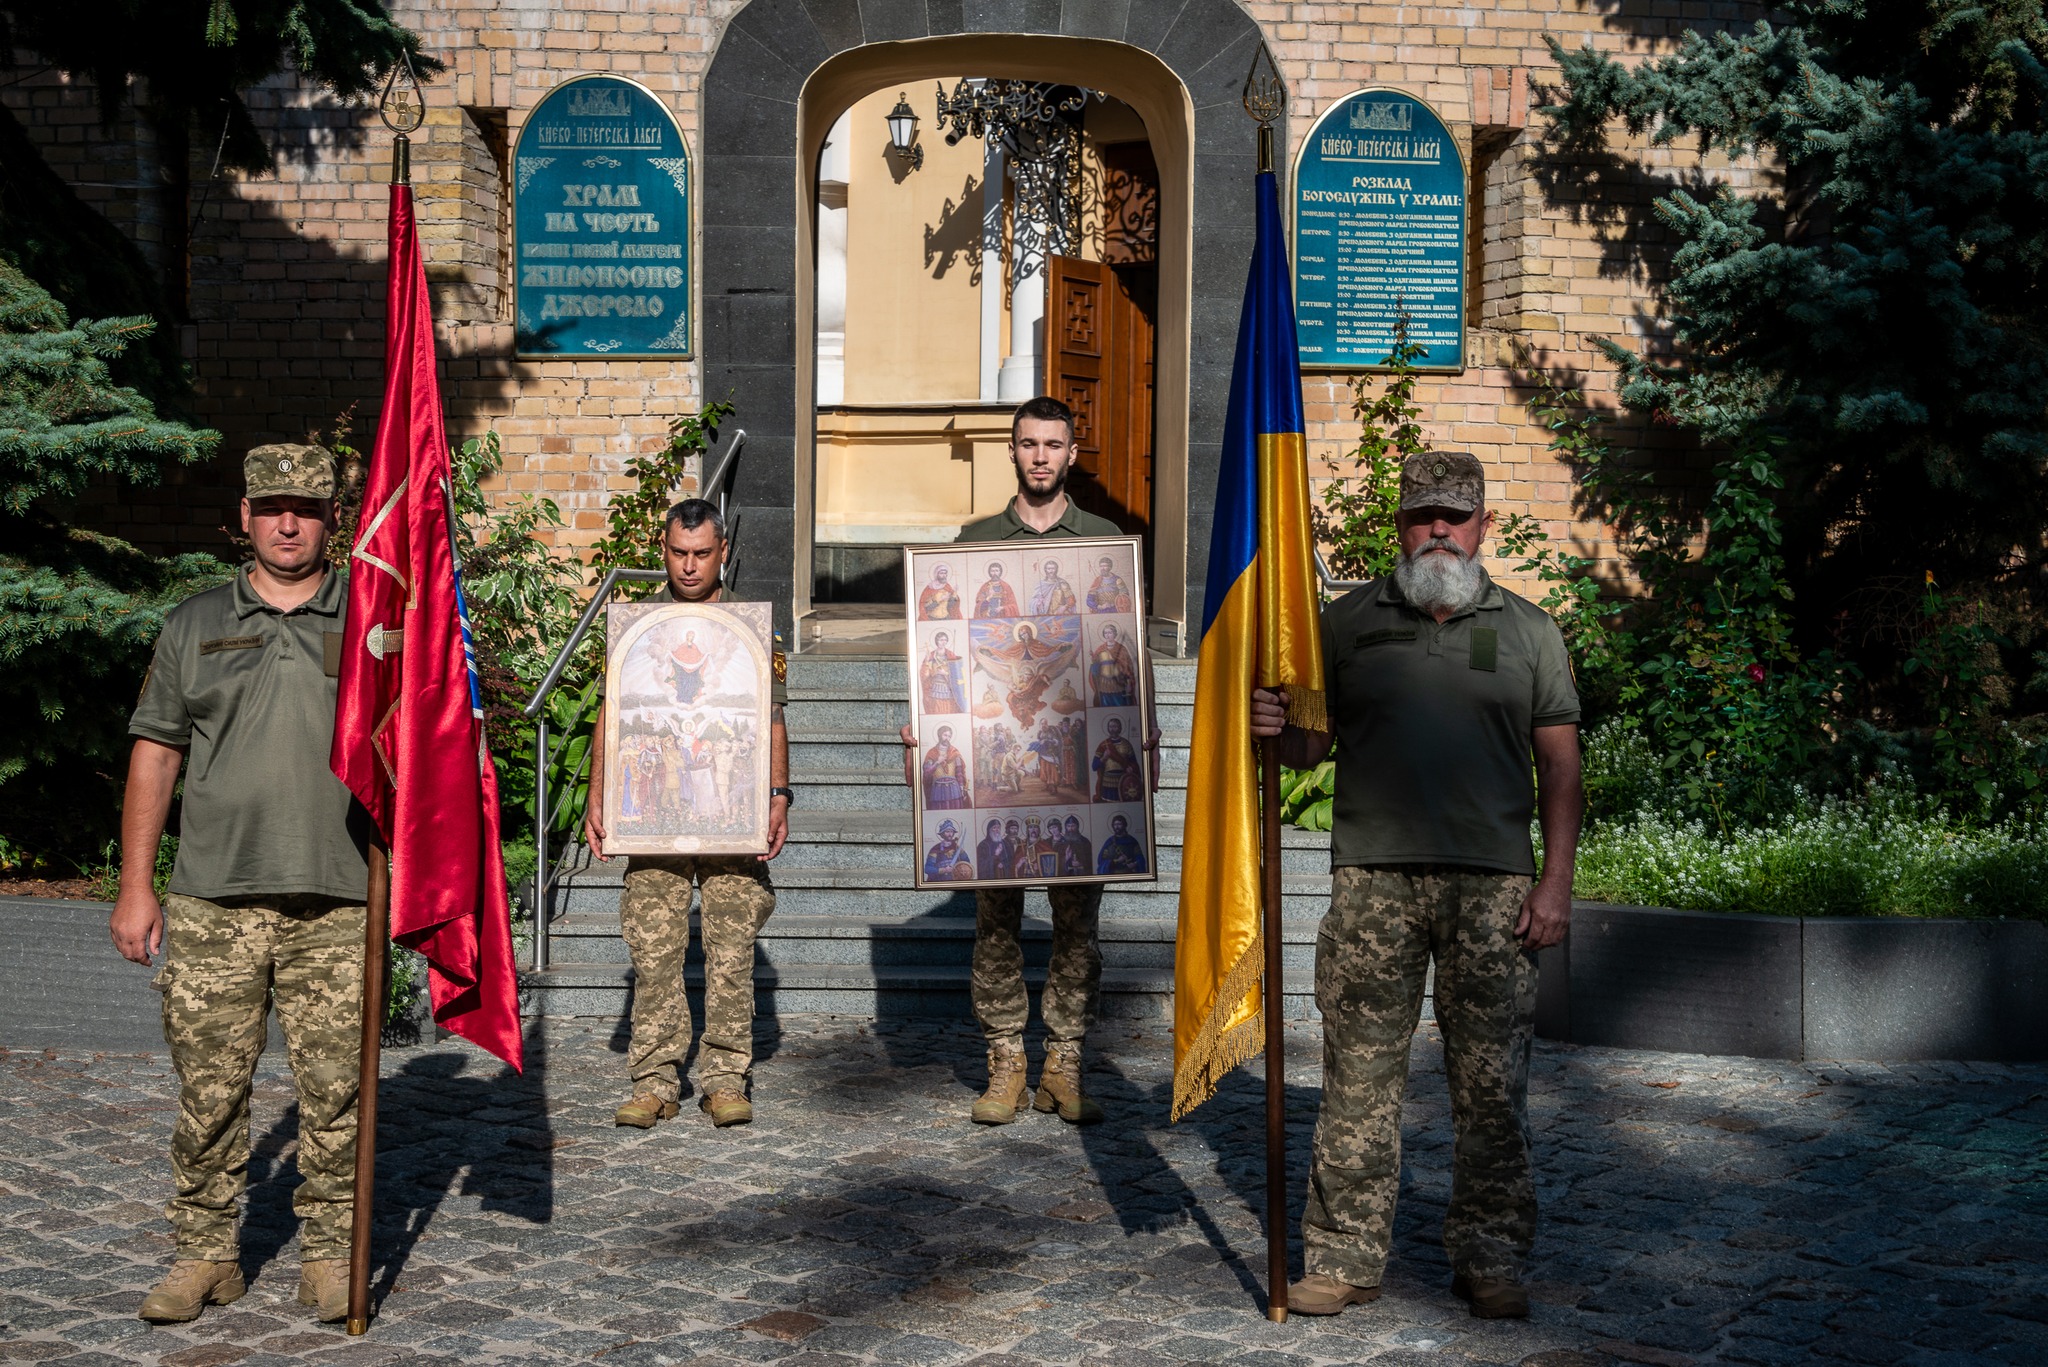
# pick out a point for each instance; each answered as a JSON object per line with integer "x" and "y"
{"x": 1331, "y": 582}
{"x": 544, "y": 878}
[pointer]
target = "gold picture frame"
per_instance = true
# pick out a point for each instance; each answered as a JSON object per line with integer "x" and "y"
{"x": 687, "y": 697}
{"x": 1029, "y": 697}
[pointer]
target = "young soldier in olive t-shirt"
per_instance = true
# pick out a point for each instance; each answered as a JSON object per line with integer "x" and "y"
{"x": 1042, "y": 447}
{"x": 1445, "y": 690}
{"x": 266, "y": 900}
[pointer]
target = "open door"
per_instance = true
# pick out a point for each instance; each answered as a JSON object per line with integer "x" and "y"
{"x": 1099, "y": 364}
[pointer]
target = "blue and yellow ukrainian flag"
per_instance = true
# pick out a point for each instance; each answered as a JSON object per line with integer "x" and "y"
{"x": 1259, "y": 625}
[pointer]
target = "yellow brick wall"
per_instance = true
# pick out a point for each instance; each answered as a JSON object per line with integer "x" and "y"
{"x": 287, "y": 268}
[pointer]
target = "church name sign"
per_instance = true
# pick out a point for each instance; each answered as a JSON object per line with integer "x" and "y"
{"x": 1379, "y": 230}
{"x": 601, "y": 226}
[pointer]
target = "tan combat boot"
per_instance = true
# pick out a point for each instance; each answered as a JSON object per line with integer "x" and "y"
{"x": 1492, "y": 1298}
{"x": 727, "y": 1106}
{"x": 1059, "y": 1085}
{"x": 191, "y": 1285}
{"x": 643, "y": 1111}
{"x": 1317, "y": 1294}
{"x": 1007, "y": 1087}
{"x": 323, "y": 1284}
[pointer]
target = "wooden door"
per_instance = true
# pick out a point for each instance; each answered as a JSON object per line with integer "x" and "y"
{"x": 1099, "y": 363}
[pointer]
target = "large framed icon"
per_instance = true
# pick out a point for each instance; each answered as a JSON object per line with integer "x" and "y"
{"x": 687, "y": 697}
{"x": 1028, "y": 698}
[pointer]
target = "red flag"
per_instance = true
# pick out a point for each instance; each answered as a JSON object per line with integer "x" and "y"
{"x": 409, "y": 725}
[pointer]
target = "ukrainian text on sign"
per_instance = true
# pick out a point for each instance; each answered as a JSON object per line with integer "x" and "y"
{"x": 1379, "y": 229}
{"x": 601, "y": 225}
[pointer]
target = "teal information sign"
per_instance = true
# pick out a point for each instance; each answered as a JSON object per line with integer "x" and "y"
{"x": 1379, "y": 227}
{"x": 601, "y": 225}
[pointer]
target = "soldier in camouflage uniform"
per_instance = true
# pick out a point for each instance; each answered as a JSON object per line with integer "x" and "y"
{"x": 1446, "y": 691}
{"x": 737, "y": 898}
{"x": 266, "y": 900}
{"x": 1042, "y": 448}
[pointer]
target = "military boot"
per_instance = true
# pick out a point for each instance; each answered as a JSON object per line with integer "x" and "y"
{"x": 323, "y": 1284}
{"x": 643, "y": 1111}
{"x": 191, "y": 1285}
{"x": 1492, "y": 1298}
{"x": 1317, "y": 1294}
{"x": 1007, "y": 1087}
{"x": 727, "y": 1106}
{"x": 1059, "y": 1085}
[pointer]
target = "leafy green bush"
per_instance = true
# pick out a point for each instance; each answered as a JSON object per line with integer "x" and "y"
{"x": 1885, "y": 852}
{"x": 1356, "y": 519}
{"x": 1307, "y": 796}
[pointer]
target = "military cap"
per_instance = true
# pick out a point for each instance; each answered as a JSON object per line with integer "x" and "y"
{"x": 1443, "y": 479}
{"x": 287, "y": 469}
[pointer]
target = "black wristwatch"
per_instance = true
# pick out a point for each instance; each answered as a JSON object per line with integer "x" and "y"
{"x": 786, "y": 794}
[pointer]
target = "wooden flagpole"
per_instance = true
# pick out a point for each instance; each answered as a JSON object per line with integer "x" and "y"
{"x": 1274, "y": 1001}
{"x": 376, "y": 933}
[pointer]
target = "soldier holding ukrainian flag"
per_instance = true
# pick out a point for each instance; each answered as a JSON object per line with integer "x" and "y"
{"x": 1441, "y": 691}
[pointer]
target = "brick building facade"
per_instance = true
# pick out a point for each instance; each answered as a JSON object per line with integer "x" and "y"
{"x": 285, "y": 269}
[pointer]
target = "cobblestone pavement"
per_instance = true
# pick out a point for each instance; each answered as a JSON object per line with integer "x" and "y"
{"x": 1695, "y": 1210}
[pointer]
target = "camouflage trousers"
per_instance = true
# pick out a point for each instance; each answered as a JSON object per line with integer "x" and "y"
{"x": 654, "y": 913}
{"x": 1073, "y": 980}
{"x": 223, "y": 966}
{"x": 1384, "y": 926}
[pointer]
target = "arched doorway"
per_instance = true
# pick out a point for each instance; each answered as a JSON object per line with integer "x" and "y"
{"x": 1016, "y": 254}
{"x": 784, "y": 72}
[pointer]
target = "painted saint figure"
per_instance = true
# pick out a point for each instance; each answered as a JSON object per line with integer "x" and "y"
{"x": 946, "y": 862}
{"x": 993, "y": 853}
{"x": 1028, "y": 666}
{"x": 1077, "y": 859}
{"x": 1121, "y": 853}
{"x": 995, "y": 598}
{"x": 1052, "y": 595}
{"x": 1117, "y": 776}
{"x": 1112, "y": 673}
{"x": 1109, "y": 592}
{"x": 686, "y": 668}
{"x": 945, "y": 775}
{"x": 938, "y": 601}
{"x": 940, "y": 677}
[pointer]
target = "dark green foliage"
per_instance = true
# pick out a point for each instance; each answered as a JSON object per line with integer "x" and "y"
{"x": 1883, "y": 320}
{"x": 79, "y": 612}
{"x": 632, "y": 538}
{"x": 1356, "y": 520}
{"x": 64, "y": 423}
{"x": 194, "y": 58}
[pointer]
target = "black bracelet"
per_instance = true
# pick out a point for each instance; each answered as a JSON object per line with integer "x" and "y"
{"x": 786, "y": 794}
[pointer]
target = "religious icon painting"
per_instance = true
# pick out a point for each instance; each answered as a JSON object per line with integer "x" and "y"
{"x": 687, "y": 692}
{"x": 1029, "y": 710}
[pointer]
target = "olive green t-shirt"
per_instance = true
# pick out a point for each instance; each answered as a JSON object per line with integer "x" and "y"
{"x": 1434, "y": 763}
{"x": 250, "y": 691}
{"x": 1007, "y": 526}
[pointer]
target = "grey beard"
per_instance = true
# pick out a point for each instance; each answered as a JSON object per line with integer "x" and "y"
{"x": 1440, "y": 583}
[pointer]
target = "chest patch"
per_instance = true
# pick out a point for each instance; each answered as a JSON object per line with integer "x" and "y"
{"x": 1485, "y": 648}
{"x": 1383, "y": 635}
{"x": 220, "y": 643}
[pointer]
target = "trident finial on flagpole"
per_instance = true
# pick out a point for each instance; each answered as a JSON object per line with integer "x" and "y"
{"x": 1264, "y": 97}
{"x": 403, "y": 109}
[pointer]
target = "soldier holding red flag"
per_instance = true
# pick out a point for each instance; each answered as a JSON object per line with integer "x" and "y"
{"x": 267, "y": 898}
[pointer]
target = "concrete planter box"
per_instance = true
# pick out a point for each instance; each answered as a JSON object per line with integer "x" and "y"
{"x": 1798, "y": 988}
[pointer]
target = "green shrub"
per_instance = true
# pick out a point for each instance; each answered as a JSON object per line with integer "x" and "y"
{"x": 1885, "y": 852}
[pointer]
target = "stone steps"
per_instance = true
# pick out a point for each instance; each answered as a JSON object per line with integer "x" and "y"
{"x": 852, "y": 933}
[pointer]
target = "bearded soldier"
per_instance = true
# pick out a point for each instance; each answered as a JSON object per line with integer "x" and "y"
{"x": 1447, "y": 693}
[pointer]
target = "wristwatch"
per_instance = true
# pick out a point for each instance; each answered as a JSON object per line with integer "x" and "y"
{"x": 786, "y": 794}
